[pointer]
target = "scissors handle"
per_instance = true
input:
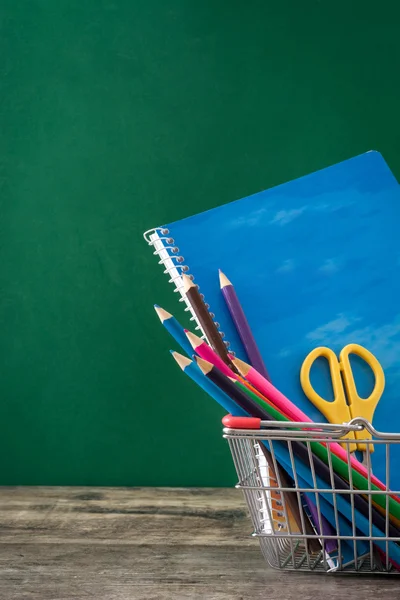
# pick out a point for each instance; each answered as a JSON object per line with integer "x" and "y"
{"x": 336, "y": 411}
{"x": 362, "y": 407}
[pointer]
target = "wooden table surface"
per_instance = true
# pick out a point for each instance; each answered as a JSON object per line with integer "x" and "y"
{"x": 146, "y": 543}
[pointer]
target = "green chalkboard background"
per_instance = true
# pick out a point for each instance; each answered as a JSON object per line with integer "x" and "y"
{"x": 119, "y": 115}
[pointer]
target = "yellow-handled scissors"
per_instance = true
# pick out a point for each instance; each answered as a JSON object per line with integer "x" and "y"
{"x": 340, "y": 410}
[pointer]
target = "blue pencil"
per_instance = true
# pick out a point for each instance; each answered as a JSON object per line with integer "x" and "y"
{"x": 173, "y": 326}
{"x": 190, "y": 369}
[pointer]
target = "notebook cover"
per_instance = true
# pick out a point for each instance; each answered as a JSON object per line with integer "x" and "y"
{"x": 315, "y": 262}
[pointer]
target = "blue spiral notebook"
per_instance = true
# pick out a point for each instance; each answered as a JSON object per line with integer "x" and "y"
{"x": 315, "y": 262}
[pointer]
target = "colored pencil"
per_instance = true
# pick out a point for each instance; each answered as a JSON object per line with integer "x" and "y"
{"x": 173, "y": 327}
{"x": 242, "y": 325}
{"x": 190, "y": 369}
{"x": 340, "y": 466}
{"x": 226, "y": 402}
{"x": 290, "y": 409}
{"x": 241, "y": 397}
{"x": 270, "y": 391}
{"x": 330, "y": 545}
{"x": 205, "y": 320}
{"x": 247, "y": 338}
{"x": 205, "y": 351}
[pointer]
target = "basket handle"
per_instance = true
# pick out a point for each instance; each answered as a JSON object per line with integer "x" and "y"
{"x": 241, "y": 422}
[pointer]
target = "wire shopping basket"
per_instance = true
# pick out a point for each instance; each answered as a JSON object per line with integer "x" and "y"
{"x": 305, "y": 522}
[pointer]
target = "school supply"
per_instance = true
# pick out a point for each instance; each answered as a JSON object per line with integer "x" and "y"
{"x": 321, "y": 525}
{"x": 242, "y": 433}
{"x": 174, "y": 328}
{"x": 294, "y": 518}
{"x": 241, "y": 396}
{"x": 295, "y": 414}
{"x": 242, "y": 325}
{"x": 270, "y": 391}
{"x": 340, "y": 466}
{"x": 313, "y": 262}
{"x": 350, "y": 549}
{"x": 238, "y": 316}
{"x": 342, "y": 409}
{"x": 205, "y": 351}
{"x": 205, "y": 319}
{"x": 190, "y": 369}
{"x": 326, "y": 269}
{"x": 366, "y": 517}
{"x": 247, "y": 338}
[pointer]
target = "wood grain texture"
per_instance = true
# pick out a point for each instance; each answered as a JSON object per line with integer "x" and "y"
{"x": 146, "y": 544}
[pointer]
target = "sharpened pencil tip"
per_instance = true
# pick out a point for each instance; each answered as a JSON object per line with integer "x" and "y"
{"x": 241, "y": 366}
{"x": 162, "y": 314}
{"x": 194, "y": 340}
{"x": 182, "y": 361}
{"x": 187, "y": 282}
{"x": 223, "y": 280}
{"x": 204, "y": 366}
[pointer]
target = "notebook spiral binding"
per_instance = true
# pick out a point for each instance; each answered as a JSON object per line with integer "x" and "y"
{"x": 167, "y": 251}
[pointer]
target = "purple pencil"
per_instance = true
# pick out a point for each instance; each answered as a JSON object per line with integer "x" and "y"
{"x": 330, "y": 545}
{"x": 242, "y": 326}
{"x": 253, "y": 353}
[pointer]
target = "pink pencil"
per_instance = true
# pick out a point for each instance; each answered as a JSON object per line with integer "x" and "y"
{"x": 270, "y": 391}
{"x": 292, "y": 411}
{"x": 207, "y": 353}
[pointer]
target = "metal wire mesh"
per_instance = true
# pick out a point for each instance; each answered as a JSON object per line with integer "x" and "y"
{"x": 317, "y": 523}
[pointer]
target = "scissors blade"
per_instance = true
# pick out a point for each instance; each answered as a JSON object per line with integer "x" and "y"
{"x": 366, "y": 458}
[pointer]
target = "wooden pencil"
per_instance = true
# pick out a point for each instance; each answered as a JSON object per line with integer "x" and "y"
{"x": 205, "y": 320}
{"x": 191, "y": 370}
{"x": 340, "y": 466}
{"x": 242, "y": 325}
{"x": 174, "y": 328}
{"x": 295, "y": 414}
{"x": 205, "y": 351}
{"x": 270, "y": 391}
{"x": 242, "y": 398}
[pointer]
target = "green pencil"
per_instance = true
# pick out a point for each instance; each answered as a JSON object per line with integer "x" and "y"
{"x": 340, "y": 466}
